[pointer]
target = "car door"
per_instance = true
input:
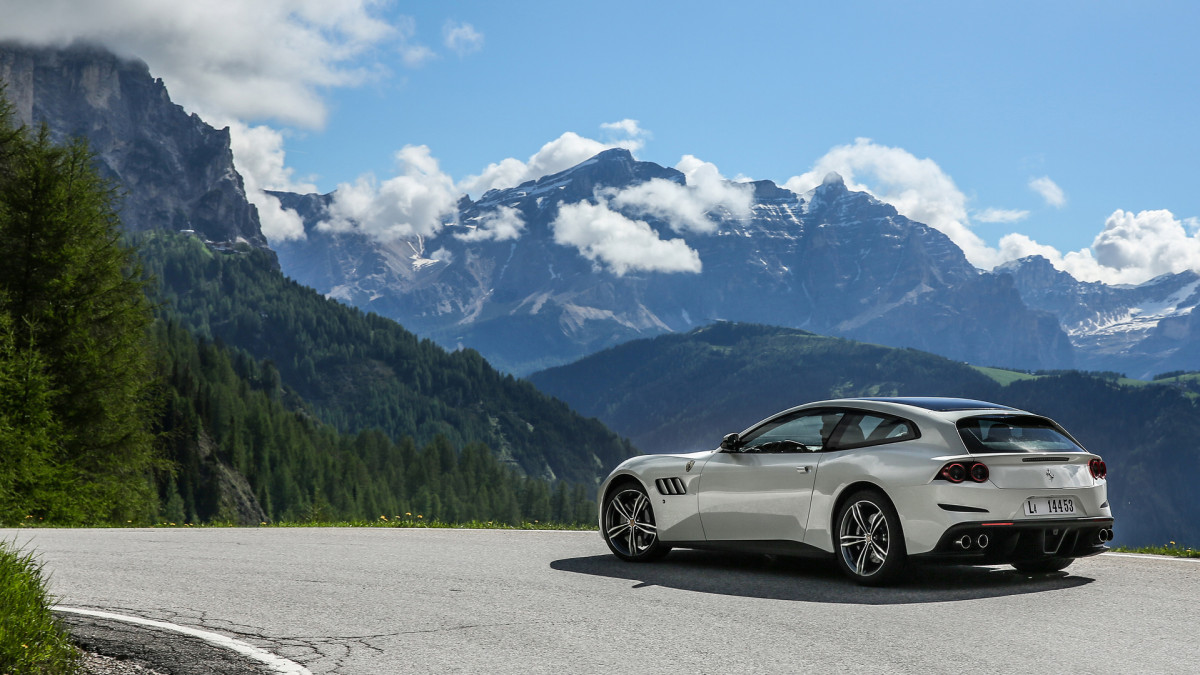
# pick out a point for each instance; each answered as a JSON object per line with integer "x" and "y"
{"x": 762, "y": 491}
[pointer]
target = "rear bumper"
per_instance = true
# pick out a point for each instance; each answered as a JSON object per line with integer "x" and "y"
{"x": 1019, "y": 541}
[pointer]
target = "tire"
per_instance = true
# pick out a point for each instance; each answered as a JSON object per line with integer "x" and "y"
{"x": 1043, "y": 566}
{"x": 869, "y": 541}
{"x": 628, "y": 525}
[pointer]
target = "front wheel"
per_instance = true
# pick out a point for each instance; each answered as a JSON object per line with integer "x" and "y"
{"x": 870, "y": 543}
{"x": 629, "y": 527}
{"x": 1043, "y": 566}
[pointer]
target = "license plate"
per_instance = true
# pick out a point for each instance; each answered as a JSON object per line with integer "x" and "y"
{"x": 1050, "y": 506}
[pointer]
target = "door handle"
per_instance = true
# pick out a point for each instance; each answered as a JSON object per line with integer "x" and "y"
{"x": 804, "y": 469}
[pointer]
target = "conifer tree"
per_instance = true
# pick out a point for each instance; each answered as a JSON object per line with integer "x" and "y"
{"x": 73, "y": 294}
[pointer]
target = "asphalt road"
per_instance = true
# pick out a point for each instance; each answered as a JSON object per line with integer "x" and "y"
{"x": 416, "y": 601}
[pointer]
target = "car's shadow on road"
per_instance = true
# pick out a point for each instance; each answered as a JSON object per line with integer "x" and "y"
{"x": 814, "y": 580}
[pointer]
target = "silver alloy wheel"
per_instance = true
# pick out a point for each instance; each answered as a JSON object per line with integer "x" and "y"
{"x": 864, "y": 538}
{"x": 629, "y": 523}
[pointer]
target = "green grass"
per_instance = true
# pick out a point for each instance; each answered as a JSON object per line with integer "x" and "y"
{"x": 1004, "y": 377}
{"x": 1171, "y": 549}
{"x": 389, "y": 521}
{"x": 31, "y": 640}
{"x": 416, "y": 522}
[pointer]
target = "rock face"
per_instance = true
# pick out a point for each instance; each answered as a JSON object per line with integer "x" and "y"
{"x": 832, "y": 261}
{"x": 174, "y": 171}
{"x": 1139, "y": 330}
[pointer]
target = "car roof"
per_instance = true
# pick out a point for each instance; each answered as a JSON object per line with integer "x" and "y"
{"x": 929, "y": 408}
{"x": 937, "y": 403}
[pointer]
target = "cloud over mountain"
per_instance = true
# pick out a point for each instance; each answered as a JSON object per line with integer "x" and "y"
{"x": 559, "y": 154}
{"x": 248, "y": 60}
{"x": 619, "y": 243}
{"x": 417, "y": 201}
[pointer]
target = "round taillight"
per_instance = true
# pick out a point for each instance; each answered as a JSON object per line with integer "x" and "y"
{"x": 1098, "y": 468}
{"x": 955, "y": 473}
{"x": 1103, "y": 468}
{"x": 979, "y": 473}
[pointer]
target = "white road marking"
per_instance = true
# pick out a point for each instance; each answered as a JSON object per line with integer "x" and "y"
{"x": 276, "y": 663}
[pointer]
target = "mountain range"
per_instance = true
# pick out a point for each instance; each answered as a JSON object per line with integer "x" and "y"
{"x": 832, "y": 260}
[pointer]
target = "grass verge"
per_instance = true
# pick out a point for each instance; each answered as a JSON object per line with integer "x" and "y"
{"x": 1170, "y": 549}
{"x": 31, "y": 640}
{"x": 383, "y": 521}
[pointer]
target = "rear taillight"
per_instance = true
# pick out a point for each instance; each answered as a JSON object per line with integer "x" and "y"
{"x": 957, "y": 472}
{"x": 1098, "y": 468}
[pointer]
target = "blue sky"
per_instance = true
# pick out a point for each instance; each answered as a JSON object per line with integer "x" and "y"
{"x": 968, "y": 106}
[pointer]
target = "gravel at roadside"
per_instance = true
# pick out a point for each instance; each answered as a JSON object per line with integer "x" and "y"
{"x": 98, "y": 664}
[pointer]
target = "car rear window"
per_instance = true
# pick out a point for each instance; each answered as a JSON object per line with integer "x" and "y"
{"x": 1014, "y": 433}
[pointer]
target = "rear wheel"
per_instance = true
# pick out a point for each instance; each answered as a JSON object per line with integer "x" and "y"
{"x": 629, "y": 527}
{"x": 870, "y": 544}
{"x": 1044, "y": 565}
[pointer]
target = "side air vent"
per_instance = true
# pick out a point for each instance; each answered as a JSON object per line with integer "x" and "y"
{"x": 671, "y": 486}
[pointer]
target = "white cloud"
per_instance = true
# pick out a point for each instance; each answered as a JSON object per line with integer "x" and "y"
{"x": 415, "y": 56}
{"x": 685, "y": 207}
{"x": 560, "y": 154}
{"x": 917, "y": 188}
{"x": 619, "y": 243}
{"x": 503, "y": 224}
{"x": 1049, "y": 190}
{"x": 1001, "y": 216}
{"x": 462, "y": 38}
{"x": 412, "y": 53}
{"x": 627, "y": 134}
{"x": 1131, "y": 249}
{"x": 417, "y": 202}
{"x": 248, "y": 60}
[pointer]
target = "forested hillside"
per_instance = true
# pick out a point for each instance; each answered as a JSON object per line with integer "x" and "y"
{"x": 361, "y": 371}
{"x": 112, "y": 411}
{"x": 245, "y": 450}
{"x": 683, "y": 392}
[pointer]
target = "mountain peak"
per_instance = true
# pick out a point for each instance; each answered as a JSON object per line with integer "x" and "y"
{"x": 614, "y": 155}
{"x": 833, "y": 179}
{"x": 612, "y": 168}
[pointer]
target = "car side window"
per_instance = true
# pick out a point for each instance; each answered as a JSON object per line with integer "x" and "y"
{"x": 874, "y": 429}
{"x": 813, "y": 429}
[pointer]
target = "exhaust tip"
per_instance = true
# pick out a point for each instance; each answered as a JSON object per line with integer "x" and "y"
{"x": 965, "y": 541}
{"x": 982, "y": 541}
{"x": 1105, "y": 535}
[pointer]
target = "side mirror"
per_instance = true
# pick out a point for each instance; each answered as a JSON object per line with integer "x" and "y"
{"x": 730, "y": 443}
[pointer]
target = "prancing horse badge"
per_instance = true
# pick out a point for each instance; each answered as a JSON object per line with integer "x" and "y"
{"x": 690, "y": 463}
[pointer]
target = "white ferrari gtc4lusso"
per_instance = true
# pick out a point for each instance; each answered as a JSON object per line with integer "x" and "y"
{"x": 877, "y": 483}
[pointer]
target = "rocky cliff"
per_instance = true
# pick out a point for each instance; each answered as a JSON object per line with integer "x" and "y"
{"x": 173, "y": 170}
